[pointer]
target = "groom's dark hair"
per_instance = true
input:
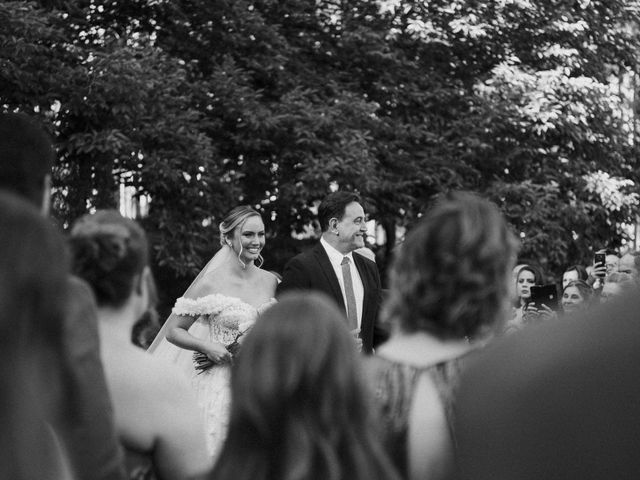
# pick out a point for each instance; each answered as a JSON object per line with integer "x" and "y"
{"x": 334, "y": 205}
{"x": 26, "y": 156}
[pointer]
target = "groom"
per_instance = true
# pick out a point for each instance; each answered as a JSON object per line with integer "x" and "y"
{"x": 332, "y": 267}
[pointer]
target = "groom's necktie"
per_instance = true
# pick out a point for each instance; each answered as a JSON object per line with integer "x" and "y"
{"x": 352, "y": 313}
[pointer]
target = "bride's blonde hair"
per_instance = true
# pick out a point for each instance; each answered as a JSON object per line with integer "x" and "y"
{"x": 236, "y": 219}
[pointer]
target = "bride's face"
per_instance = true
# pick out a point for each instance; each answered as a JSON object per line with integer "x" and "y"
{"x": 250, "y": 235}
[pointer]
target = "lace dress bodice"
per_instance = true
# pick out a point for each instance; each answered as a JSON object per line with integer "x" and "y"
{"x": 219, "y": 317}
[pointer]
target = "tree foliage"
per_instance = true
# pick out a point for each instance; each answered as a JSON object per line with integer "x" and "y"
{"x": 203, "y": 104}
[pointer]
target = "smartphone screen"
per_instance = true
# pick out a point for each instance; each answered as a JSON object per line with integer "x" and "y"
{"x": 545, "y": 294}
{"x": 600, "y": 260}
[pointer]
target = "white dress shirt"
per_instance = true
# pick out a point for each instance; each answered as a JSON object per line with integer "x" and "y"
{"x": 335, "y": 257}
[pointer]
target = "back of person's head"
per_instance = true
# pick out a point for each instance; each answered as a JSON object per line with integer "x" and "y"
{"x": 26, "y": 157}
{"x": 452, "y": 275}
{"x": 33, "y": 294}
{"x": 334, "y": 205}
{"x": 299, "y": 406}
{"x": 109, "y": 252}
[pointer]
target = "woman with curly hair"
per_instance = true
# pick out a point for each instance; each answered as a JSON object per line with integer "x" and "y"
{"x": 300, "y": 408}
{"x": 449, "y": 290}
{"x": 157, "y": 418}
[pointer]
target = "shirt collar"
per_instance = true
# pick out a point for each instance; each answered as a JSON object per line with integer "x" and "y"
{"x": 334, "y": 255}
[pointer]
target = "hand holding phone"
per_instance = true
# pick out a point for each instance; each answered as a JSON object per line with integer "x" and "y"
{"x": 600, "y": 265}
{"x": 545, "y": 295}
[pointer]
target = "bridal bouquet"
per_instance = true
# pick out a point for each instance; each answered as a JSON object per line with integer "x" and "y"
{"x": 204, "y": 363}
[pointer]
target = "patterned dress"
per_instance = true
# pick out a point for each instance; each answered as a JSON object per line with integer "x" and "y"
{"x": 394, "y": 387}
{"x": 218, "y": 318}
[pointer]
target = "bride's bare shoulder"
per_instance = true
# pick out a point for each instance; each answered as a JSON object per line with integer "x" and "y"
{"x": 269, "y": 277}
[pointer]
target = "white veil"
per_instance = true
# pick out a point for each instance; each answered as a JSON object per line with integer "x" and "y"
{"x": 222, "y": 256}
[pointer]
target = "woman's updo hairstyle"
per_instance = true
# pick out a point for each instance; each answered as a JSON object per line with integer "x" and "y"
{"x": 452, "y": 274}
{"x": 108, "y": 251}
{"x": 234, "y": 219}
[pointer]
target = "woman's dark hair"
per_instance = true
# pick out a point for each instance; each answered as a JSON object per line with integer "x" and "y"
{"x": 452, "y": 273}
{"x": 33, "y": 366}
{"x": 582, "y": 272}
{"x": 300, "y": 409}
{"x": 586, "y": 291}
{"x": 333, "y": 206}
{"x": 108, "y": 251}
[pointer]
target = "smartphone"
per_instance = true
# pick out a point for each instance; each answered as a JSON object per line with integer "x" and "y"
{"x": 600, "y": 259}
{"x": 545, "y": 294}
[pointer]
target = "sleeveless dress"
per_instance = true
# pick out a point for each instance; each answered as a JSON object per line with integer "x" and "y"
{"x": 394, "y": 385}
{"x": 218, "y": 318}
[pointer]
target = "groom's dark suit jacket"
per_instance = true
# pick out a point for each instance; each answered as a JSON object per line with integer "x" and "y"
{"x": 312, "y": 270}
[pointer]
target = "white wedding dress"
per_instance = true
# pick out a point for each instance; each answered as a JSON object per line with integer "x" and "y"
{"x": 218, "y": 318}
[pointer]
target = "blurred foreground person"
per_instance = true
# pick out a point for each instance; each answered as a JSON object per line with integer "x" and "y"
{"x": 299, "y": 406}
{"x": 26, "y": 159}
{"x": 630, "y": 264}
{"x": 616, "y": 285}
{"x": 449, "y": 291}
{"x": 556, "y": 402}
{"x": 34, "y": 391}
{"x": 157, "y": 418}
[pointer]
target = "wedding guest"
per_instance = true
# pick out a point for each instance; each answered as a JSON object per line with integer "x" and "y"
{"x": 612, "y": 262}
{"x": 449, "y": 292}
{"x": 34, "y": 391}
{"x": 615, "y": 285}
{"x": 630, "y": 263}
{"x": 26, "y": 159}
{"x": 334, "y": 266}
{"x": 576, "y": 297}
{"x": 556, "y": 402}
{"x": 157, "y": 418}
{"x": 574, "y": 272}
{"x": 528, "y": 276}
{"x": 300, "y": 409}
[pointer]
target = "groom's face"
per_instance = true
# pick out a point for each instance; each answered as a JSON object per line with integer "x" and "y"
{"x": 352, "y": 228}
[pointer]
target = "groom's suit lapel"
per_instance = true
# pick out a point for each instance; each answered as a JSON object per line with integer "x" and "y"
{"x": 329, "y": 273}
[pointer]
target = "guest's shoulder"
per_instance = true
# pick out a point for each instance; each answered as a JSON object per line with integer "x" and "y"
{"x": 150, "y": 374}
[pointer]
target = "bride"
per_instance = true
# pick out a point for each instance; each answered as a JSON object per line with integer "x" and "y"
{"x": 209, "y": 320}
